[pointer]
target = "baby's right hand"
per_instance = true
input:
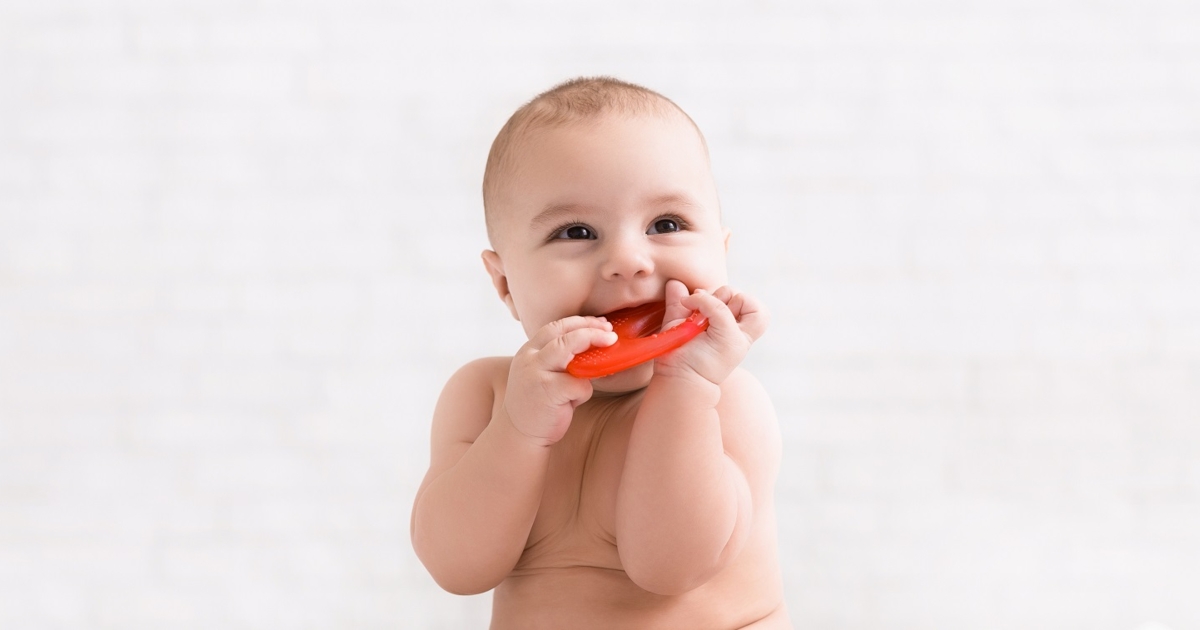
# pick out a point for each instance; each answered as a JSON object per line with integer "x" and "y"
{"x": 541, "y": 397}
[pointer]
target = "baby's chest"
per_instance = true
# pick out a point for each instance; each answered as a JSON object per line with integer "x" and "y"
{"x": 578, "y": 506}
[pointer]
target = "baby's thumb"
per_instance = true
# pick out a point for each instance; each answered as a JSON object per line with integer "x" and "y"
{"x": 676, "y": 311}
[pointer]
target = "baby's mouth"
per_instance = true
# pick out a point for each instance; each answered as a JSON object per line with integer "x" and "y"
{"x": 637, "y": 321}
{"x": 638, "y": 340}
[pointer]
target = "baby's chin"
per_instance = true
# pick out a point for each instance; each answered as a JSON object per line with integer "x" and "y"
{"x": 625, "y": 381}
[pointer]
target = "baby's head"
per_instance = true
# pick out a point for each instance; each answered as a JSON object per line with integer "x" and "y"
{"x": 595, "y": 194}
{"x": 572, "y": 103}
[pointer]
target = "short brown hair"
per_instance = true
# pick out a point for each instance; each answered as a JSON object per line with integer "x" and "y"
{"x": 579, "y": 99}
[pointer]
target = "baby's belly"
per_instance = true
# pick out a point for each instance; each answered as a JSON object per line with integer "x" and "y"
{"x": 594, "y": 597}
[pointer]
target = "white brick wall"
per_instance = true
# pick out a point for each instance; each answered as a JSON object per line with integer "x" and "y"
{"x": 239, "y": 257}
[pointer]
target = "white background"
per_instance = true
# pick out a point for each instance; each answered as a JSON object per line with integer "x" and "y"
{"x": 239, "y": 258}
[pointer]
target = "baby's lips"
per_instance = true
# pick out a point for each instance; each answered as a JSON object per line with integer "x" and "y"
{"x": 634, "y": 343}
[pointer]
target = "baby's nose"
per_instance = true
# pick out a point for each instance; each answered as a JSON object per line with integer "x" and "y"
{"x": 626, "y": 258}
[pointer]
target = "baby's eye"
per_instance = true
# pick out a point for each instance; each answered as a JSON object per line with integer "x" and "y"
{"x": 575, "y": 232}
{"x": 666, "y": 225}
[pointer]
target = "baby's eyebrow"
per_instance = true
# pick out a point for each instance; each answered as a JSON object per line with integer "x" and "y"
{"x": 672, "y": 198}
{"x": 552, "y": 213}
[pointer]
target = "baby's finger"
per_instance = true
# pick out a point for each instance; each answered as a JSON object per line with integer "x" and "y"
{"x": 750, "y": 314}
{"x": 675, "y": 311}
{"x": 558, "y": 328}
{"x": 720, "y": 320}
{"x": 559, "y": 352}
{"x": 724, "y": 294}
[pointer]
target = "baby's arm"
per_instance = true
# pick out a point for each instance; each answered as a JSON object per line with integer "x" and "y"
{"x": 703, "y": 455}
{"x": 475, "y": 508}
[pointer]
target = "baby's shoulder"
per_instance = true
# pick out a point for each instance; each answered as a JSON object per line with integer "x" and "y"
{"x": 485, "y": 369}
{"x": 481, "y": 376}
{"x": 742, "y": 390}
{"x": 467, "y": 402}
{"x": 475, "y": 384}
{"x": 749, "y": 426}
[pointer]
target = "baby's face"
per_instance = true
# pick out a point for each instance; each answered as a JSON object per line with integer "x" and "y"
{"x": 599, "y": 216}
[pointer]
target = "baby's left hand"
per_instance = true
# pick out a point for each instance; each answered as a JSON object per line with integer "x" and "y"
{"x": 735, "y": 321}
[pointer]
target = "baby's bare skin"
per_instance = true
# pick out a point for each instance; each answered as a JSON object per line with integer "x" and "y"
{"x": 643, "y": 499}
{"x": 569, "y": 574}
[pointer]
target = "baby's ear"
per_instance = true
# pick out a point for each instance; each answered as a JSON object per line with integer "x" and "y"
{"x": 495, "y": 269}
{"x": 727, "y": 235}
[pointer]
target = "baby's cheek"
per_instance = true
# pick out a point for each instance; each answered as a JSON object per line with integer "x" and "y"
{"x": 705, "y": 273}
{"x": 717, "y": 268}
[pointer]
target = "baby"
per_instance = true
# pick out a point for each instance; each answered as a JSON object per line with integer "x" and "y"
{"x": 643, "y": 499}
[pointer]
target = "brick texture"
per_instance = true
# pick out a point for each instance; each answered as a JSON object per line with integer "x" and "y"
{"x": 239, "y": 258}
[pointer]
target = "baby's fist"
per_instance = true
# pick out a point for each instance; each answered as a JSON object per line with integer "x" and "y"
{"x": 736, "y": 321}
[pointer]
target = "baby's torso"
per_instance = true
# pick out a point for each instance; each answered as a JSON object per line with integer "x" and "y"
{"x": 570, "y": 574}
{"x": 575, "y": 523}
